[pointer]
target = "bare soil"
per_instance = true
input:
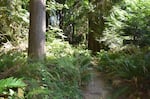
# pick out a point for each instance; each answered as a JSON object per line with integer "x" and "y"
{"x": 96, "y": 89}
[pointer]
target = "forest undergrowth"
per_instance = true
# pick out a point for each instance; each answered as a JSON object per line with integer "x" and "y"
{"x": 60, "y": 76}
{"x": 127, "y": 71}
{"x": 67, "y": 69}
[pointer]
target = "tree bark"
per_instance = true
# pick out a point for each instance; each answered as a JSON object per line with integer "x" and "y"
{"x": 36, "y": 50}
{"x": 93, "y": 44}
{"x": 96, "y": 27}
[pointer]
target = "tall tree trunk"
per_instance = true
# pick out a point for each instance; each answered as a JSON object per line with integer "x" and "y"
{"x": 36, "y": 50}
{"x": 93, "y": 44}
{"x": 96, "y": 26}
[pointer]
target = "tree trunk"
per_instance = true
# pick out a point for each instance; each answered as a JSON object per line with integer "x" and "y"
{"x": 93, "y": 44}
{"x": 36, "y": 50}
{"x": 96, "y": 26}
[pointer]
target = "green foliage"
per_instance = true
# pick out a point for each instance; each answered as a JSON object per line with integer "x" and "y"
{"x": 53, "y": 33}
{"x": 9, "y": 83}
{"x": 10, "y": 59}
{"x": 59, "y": 48}
{"x": 129, "y": 72}
{"x": 137, "y": 25}
{"x": 128, "y": 21}
{"x": 73, "y": 19}
{"x": 59, "y": 81}
{"x": 53, "y": 5}
{"x": 14, "y": 21}
{"x": 65, "y": 70}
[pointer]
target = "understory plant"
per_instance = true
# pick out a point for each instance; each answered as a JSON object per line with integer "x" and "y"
{"x": 128, "y": 73}
{"x": 64, "y": 72}
{"x": 11, "y": 58}
{"x": 14, "y": 21}
{"x": 128, "y": 23}
{"x": 7, "y": 85}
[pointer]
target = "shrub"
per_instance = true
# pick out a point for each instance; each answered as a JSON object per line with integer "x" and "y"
{"x": 14, "y": 22}
{"x": 7, "y": 85}
{"x": 128, "y": 23}
{"x": 10, "y": 59}
{"x": 60, "y": 76}
{"x": 129, "y": 73}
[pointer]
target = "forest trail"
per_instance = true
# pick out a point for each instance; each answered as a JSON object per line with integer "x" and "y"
{"x": 96, "y": 88}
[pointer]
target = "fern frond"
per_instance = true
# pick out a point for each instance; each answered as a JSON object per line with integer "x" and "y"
{"x": 11, "y": 83}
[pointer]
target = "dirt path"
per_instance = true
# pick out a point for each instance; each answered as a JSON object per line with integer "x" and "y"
{"x": 96, "y": 89}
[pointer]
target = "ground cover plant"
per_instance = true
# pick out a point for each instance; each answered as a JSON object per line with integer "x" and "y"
{"x": 127, "y": 72}
{"x": 60, "y": 76}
